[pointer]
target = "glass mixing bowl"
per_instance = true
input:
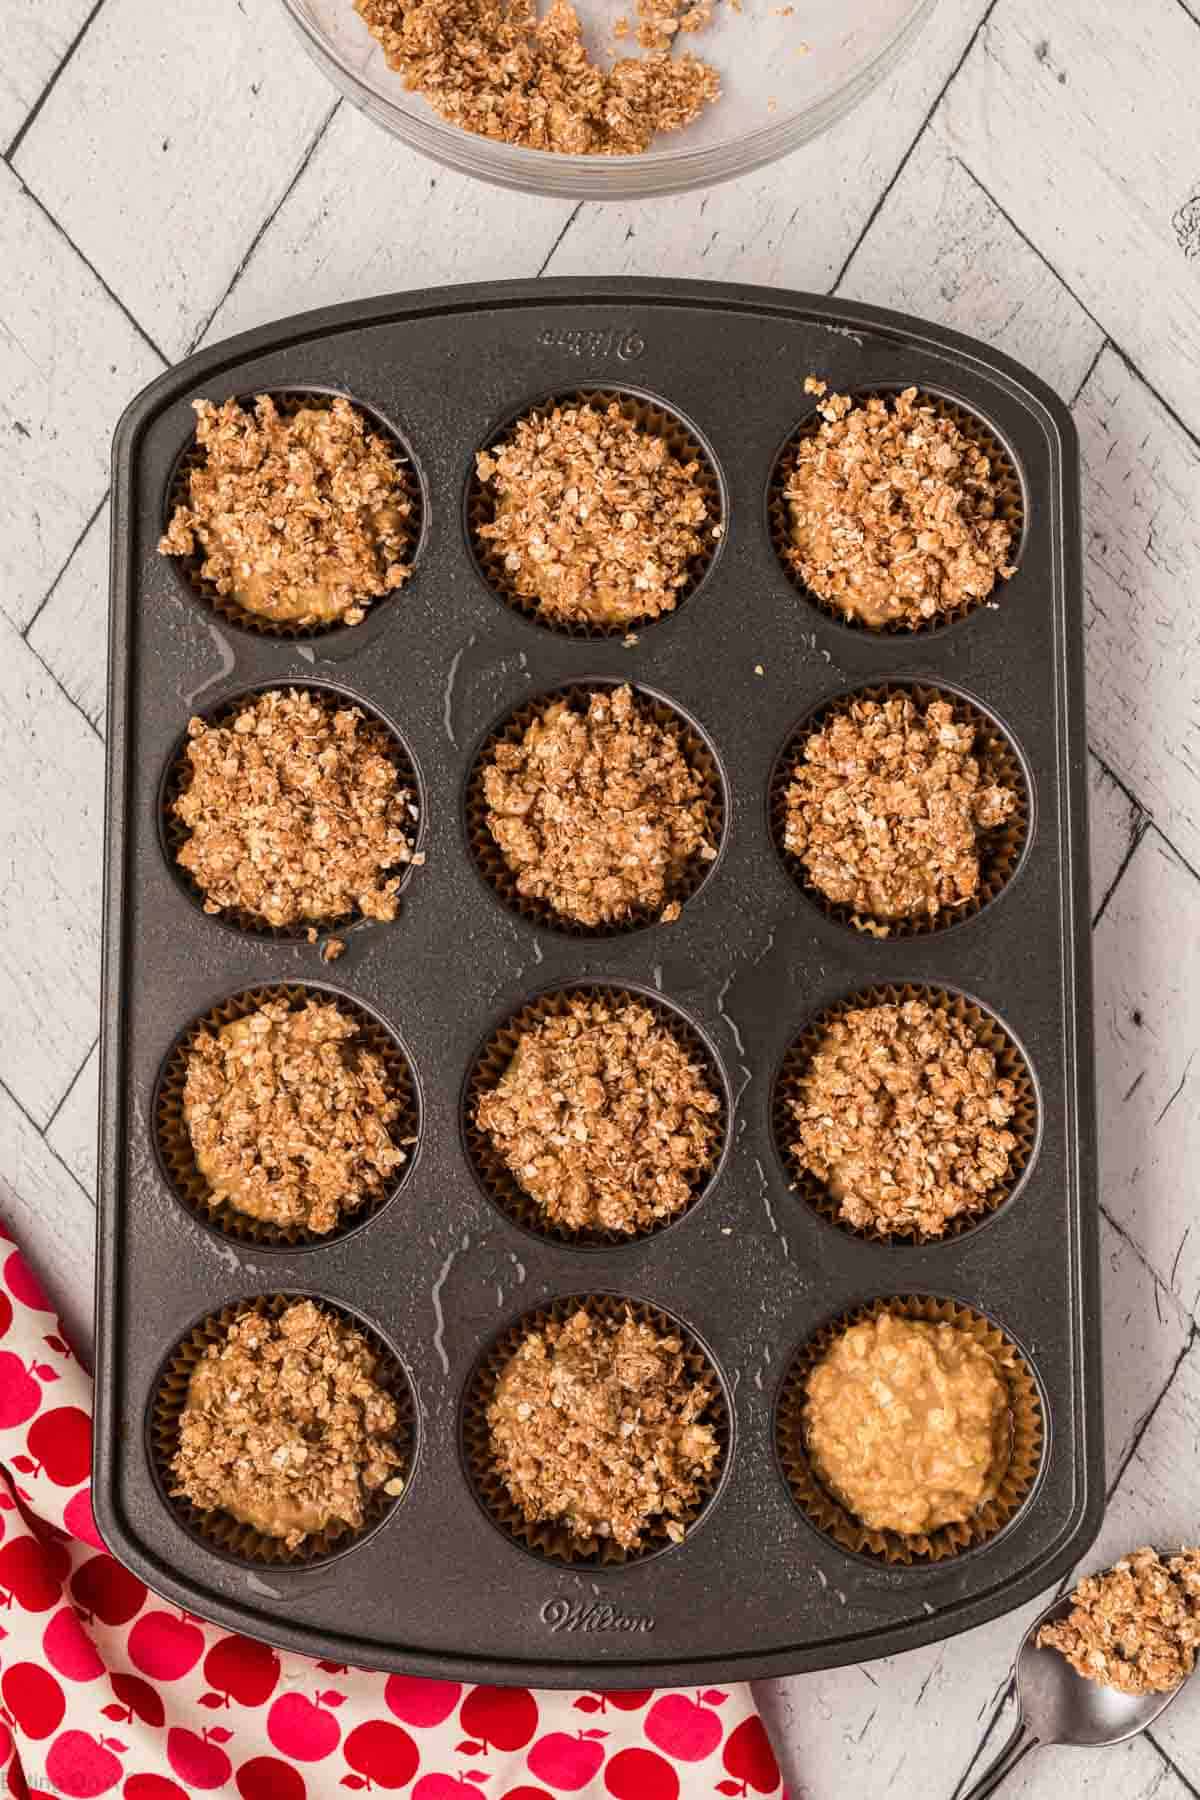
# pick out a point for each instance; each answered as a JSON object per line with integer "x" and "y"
{"x": 784, "y": 79}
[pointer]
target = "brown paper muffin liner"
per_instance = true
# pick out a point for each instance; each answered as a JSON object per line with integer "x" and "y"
{"x": 548, "y": 1538}
{"x": 1000, "y": 850}
{"x": 493, "y": 1173}
{"x": 289, "y": 401}
{"x": 175, "y": 834}
{"x": 1026, "y": 1447}
{"x": 486, "y": 852}
{"x": 1010, "y": 506}
{"x": 191, "y": 1188}
{"x": 1010, "y": 1065}
{"x": 220, "y": 1530}
{"x": 653, "y": 419}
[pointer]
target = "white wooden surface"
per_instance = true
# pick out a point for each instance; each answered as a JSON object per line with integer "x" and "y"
{"x": 174, "y": 173}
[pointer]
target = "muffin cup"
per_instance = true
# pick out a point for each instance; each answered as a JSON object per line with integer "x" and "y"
{"x": 175, "y": 834}
{"x": 1001, "y": 850}
{"x": 651, "y": 417}
{"x": 1010, "y": 1064}
{"x": 174, "y": 1143}
{"x": 1010, "y": 506}
{"x": 547, "y": 1538}
{"x": 219, "y": 1530}
{"x": 288, "y": 402}
{"x": 893, "y": 1547}
{"x": 487, "y": 854}
{"x": 493, "y": 1173}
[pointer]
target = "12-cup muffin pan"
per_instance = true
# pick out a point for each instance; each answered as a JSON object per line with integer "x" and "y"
{"x": 756, "y": 1271}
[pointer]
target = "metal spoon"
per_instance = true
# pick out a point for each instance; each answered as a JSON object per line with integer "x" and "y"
{"x": 1057, "y": 1706}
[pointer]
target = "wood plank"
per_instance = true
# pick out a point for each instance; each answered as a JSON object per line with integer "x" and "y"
{"x": 795, "y": 223}
{"x": 168, "y": 141}
{"x": 1141, "y": 477}
{"x": 941, "y": 250}
{"x": 37, "y": 35}
{"x": 72, "y": 1132}
{"x": 69, "y": 360}
{"x": 52, "y": 1220}
{"x": 1115, "y": 821}
{"x": 71, "y": 631}
{"x": 1087, "y": 137}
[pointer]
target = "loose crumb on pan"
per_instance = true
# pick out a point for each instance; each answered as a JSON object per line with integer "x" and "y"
{"x": 285, "y": 1426}
{"x": 289, "y": 1114}
{"x": 301, "y": 517}
{"x": 599, "y": 1424}
{"x": 886, "y": 806}
{"x": 908, "y": 1423}
{"x": 1135, "y": 1627}
{"x": 902, "y": 1113}
{"x": 596, "y": 518}
{"x": 894, "y": 513}
{"x": 598, "y": 812}
{"x": 495, "y": 68}
{"x": 603, "y": 1117}
{"x": 295, "y": 810}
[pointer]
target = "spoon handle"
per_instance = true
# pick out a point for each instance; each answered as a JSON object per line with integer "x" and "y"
{"x": 1018, "y": 1746}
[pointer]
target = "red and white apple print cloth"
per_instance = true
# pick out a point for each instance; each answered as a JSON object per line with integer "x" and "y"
{"x": 105, "y": 1689}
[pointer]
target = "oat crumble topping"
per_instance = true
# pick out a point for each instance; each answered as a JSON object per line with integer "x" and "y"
{"x": 300, "y": 517}
{"x": 598, "y": 813}
{"x": 598, "y": 1423}
{"x": 288, "y": 1114}
{"x": 295, "y": 812}
{"x": 1137, "y": 1626}
{"x": 886, "y": 806}
{"x": 495, "y": 68}
{"x": 595, "y": 517}
{"x": 908, "y": 1423}
{"x": 902, "y": 1114}
{"x": 285, "y": 1427}
{"x": 894, "y": 512}
{"x": 602, "y": 1117}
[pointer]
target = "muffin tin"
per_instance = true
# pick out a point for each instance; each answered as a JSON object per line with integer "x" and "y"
{"x": 752, "y": 1270}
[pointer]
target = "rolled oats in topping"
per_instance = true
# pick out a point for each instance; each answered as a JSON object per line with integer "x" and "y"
{"x": 302, "y": 518}
{"x": 1137, "y": 1626}
{"x": 599, "y": 1424}
{"x": 289, "y": 1115}
{"x": 285, "y": 1426}
{"x": 902, "y": 1113}
{"x": 894, "y": 513}
{"x": 598, "y": 813}
{"x": 295, "y": 811}
{"x": 495, "y": 68}
{"x": 602, "y": 1117}
{"x": 595, "y": 517}
{"x": 886, "y": 806}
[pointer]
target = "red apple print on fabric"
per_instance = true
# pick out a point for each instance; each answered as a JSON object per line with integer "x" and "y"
{"x": 164, "y": 1646}
{"x": 237, "y": 1668}
{"x": 449, "y": 1787}
{"x": 750, "y": 1760}
{"x": 21, "y": 1281}
{"x": 81, "y": 1766}
{"x": 641, "y": 1775}
{"x": 61, "y": 1442}
{"x": 199, "y": 1761}
{"x": 301, "y": 1729}
{"x": 567, "y": 1762}
{"x": 688, "y": 1730}
{"x": 136, "y": 1699}
{"x": 382, "y": 1755}
{"x": 526, "y": 1793}
{"x": 20, "y": 1395}
{"x": 79, "y": 1521}
{"x": 265, "y": 1778}
{"x": 497, "y": 1719}
{"x": 102, "y": 1589}
{"x": 624, "y": 1699}
{"x": 6, "y": 1314}
{"x": 153, "y": 1787}
{"x": 34, "y": 1698}
{"x": 418, "y": 1702}
{"x": 67, "y": 1647}
{"x": 30, "y": 1574}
